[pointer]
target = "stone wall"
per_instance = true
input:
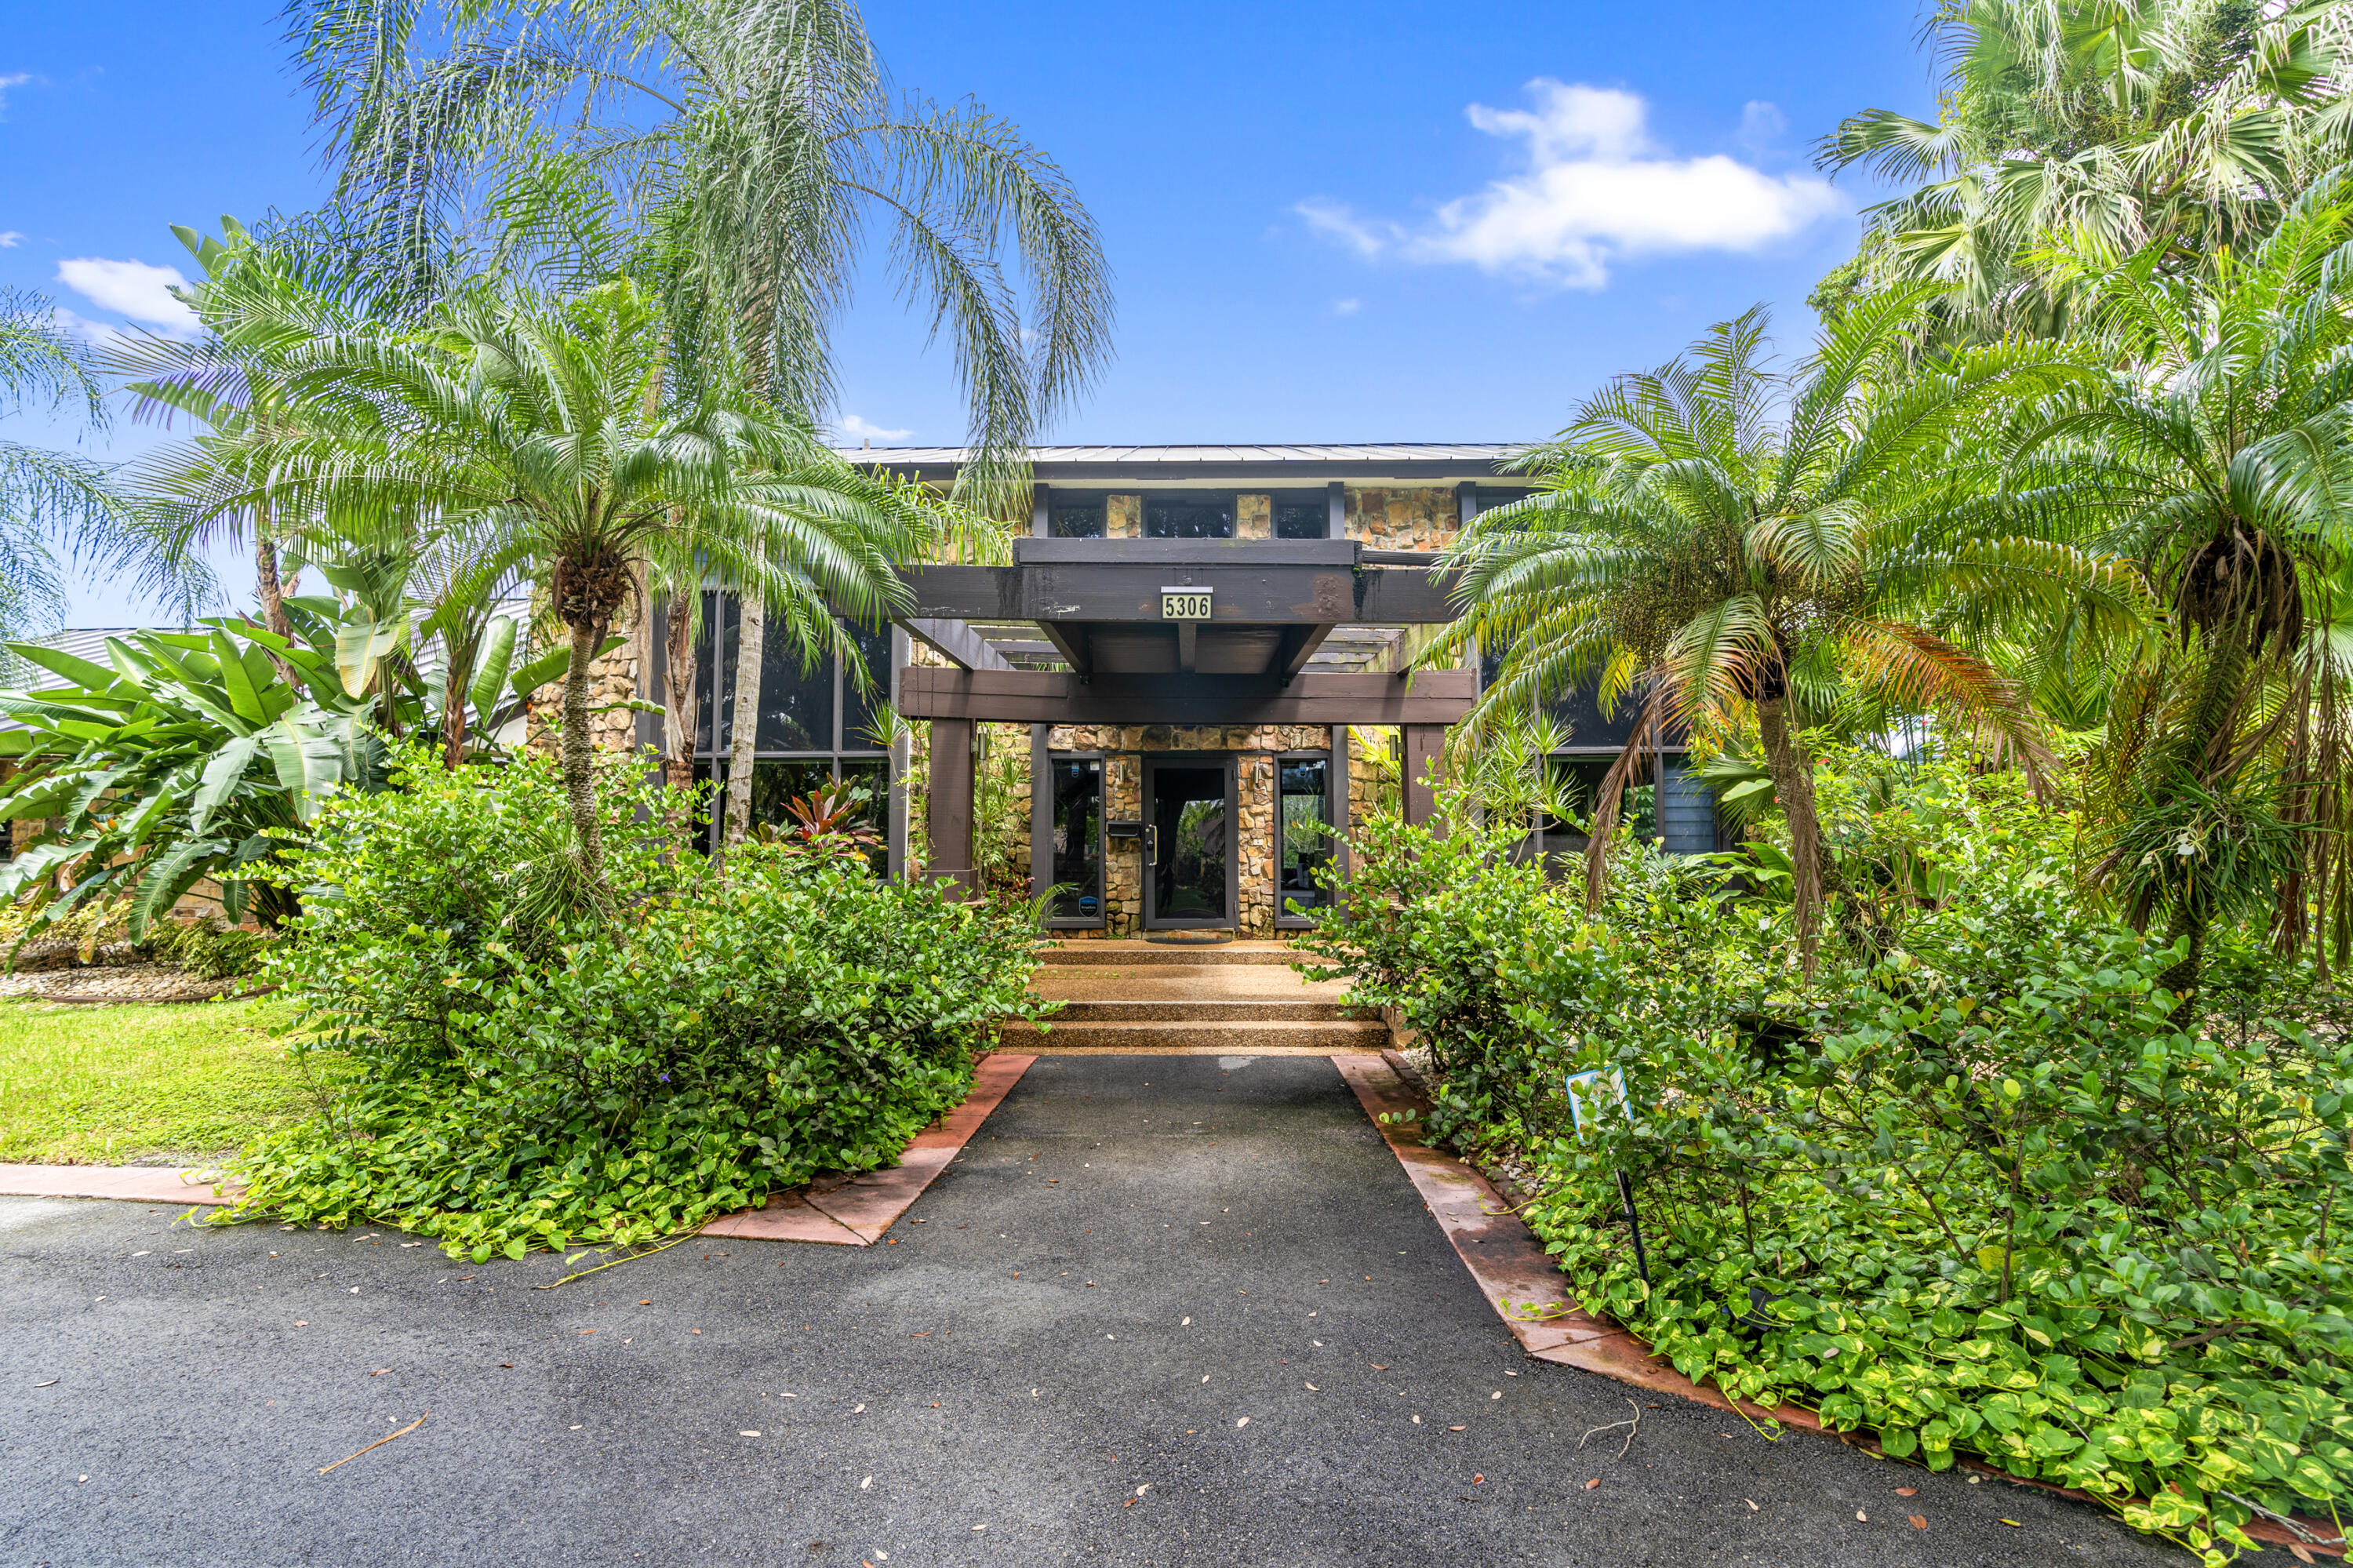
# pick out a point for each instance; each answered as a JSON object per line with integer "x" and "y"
{"x": 1254, "y": 516}
{"x": 613, "y": 681}
{"x": 1122, "y": 517}
{"x": 1404, "y": 517}
{"x": 1258, "y": 873}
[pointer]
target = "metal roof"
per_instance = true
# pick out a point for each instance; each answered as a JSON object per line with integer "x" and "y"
{"x": 1475, "y": 452}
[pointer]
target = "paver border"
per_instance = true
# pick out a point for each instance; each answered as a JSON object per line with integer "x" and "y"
{"x": 1529, "y": 1293}
{"x": 852, "y": 1211}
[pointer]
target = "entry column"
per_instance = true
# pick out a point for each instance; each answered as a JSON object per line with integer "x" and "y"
{"x": 1423, "y": 742}
{"x": 948, "y": 805}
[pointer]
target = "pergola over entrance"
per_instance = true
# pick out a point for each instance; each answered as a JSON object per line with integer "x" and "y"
{"x": 1160, "y": 631}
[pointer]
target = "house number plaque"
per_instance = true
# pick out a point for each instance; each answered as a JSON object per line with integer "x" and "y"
{"x": 1184, "y": 604}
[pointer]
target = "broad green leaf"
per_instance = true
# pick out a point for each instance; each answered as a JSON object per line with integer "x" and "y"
{"x": 81, "y": 672}
{"x": 221, "y": 776}
{"x": 161, "y": 884}
{"x": 244, "y": 699}
{"x": 359, "y": 644}
{"x": 551, "y": 666}
{"x": 491, "y": 668}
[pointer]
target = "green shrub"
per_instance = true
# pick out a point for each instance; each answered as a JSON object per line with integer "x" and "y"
{"x": 1975, "y": 1193}
{"x": 532, "y": 1076}
{"x": 206, "y": 948}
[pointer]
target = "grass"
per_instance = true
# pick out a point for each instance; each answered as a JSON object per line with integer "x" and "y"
{"x": 113, "y": 1084}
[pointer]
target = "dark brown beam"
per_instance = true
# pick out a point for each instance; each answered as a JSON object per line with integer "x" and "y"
{"x": 1070, "y": 642}
{"x": 948, "y": 809}
{"x": 1188, "y": 645}
{"x": 1422, "y": 742}
{"x": 1299, "y": 645}
{"x": 959, "y": 642}
{"x": 1432, "y": 699}
{"x": 1243, "y": 594}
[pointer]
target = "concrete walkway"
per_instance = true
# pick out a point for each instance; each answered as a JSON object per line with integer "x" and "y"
{"x": 991, "y": 1384}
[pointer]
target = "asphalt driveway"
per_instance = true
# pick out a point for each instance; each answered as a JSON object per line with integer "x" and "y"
{"x": 1163, "y": 1309}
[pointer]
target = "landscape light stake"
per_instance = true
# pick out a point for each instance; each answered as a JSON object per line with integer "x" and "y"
{"x": 1580, "y": 1087}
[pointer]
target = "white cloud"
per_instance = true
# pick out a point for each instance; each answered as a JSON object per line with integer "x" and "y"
{"x": 130, "y": 288}
{"x": 1597, "y": 190}
{"x": 1762, "y": 125}
{"x": 13, "y": 79}
{"x": 1346, "y": 307}
{"x": 864, "y": 431}
{"x": 10, "y": 239}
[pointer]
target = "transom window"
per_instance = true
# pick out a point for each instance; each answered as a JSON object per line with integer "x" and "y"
{"x": 1188, "y": 517}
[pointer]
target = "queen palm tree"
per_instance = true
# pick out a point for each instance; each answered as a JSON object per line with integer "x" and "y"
{"x": 735, "y": 155}
{"x": 1697, "y": 546}
{"x": 46, "y": 493}
{"x": 548, "y": 433}
{"x": 2218, "y": 456}
{"x": 2174, "y": 127}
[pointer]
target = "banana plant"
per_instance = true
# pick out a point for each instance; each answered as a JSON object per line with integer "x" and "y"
{"x": 181, "y": 764}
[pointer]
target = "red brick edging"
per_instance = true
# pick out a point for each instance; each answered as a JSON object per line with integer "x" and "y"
{"x": 852, "y": 1211}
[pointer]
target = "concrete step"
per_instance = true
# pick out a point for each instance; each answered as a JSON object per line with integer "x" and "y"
{"x": 1213, "y": 1010}
{"x": 1139, "y": 954}
{"x": 1324, "y": 1037}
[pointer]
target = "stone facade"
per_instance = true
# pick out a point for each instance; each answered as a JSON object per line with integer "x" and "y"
{"x": 1122, "y": 517}
{"x": 1258, "y": 874}
{"x": 1254, "y": 516}
{"x": 1425, "y": 518}
{"x": 614, "y": 681}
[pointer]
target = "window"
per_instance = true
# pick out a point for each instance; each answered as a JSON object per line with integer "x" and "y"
{"x": 1302, "y": 519}
{"x": 1305, "y": 790}
{"x": 1076, "y": 519}
{"x": 815, "y": 723}
{"x": 1189, "y": 517}
{"x": 1078, "y": 843}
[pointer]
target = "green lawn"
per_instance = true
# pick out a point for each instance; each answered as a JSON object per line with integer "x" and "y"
{"x": 110, "y": 1085}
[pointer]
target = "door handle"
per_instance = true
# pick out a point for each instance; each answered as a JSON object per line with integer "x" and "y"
{"x": 1150, "y": 845}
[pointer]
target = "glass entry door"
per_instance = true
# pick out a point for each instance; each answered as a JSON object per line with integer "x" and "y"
{"x": 1188, "y": 812}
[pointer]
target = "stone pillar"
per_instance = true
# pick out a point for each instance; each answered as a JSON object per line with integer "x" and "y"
{"x": 1122, "y": 517}
{"x": 1254, "y": 516}
{"x": 1422, "y": 744}
{"x": 949, "y": 804}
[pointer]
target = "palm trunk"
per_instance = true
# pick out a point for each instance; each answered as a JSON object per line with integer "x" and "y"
{"x": 1793, "y": 787}
{"x": 751, "y": 640}
{"x": 578, "y": 752}
{"x": 457, "y": 676}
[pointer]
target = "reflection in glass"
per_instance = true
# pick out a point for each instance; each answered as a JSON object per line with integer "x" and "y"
{"x": 1083, "y": 521}
{"x": 1189, "y": 884}
{"x": 1078, "y": 838}
{"x": 860, "y": 711}
{"x": 1210, "y": 517}
{"x": 796, "y": 699}
{"x": 1301, "y": 519}
{"x": 1306, "y": 832}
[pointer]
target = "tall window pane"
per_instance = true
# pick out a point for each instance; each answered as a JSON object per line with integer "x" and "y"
{"x": 1306, "y": 830}
{"x": 1210, "y": 517}
{"x": 1078, "y": 838}
{"x": 859, "y": 709}
{"x": 1081, "y": 521}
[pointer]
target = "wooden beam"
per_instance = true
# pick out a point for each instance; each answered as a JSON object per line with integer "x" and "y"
{"x": 1041, "y": 509}
{"x": 955, "y": 641}
{"x": 949, "y": 806}
{"x": 1188, "y": 645}
{"x": 1299, "y": 645}
{"x": 1336, "y": 513}
{"x": 1070, "y": 642}
{"x": 1130, "y": 591}
{"x": 1433, "y": 698}
{"x": 1422, "y": 742}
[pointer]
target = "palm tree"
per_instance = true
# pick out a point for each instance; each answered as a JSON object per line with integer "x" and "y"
{"x": 46, "y": 493}
{"x": 2218, "y": 456}
{"x": 734, "y": 155}
{"x": 549, "y": 432}
{"x": 1694, "y": 545}
{"x": 2180, "y": 126}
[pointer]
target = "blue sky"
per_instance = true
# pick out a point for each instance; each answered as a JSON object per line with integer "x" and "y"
{"x": 1362, "y": 222}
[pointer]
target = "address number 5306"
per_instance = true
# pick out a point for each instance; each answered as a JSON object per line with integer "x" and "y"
{"x": 1184, "y": 604}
